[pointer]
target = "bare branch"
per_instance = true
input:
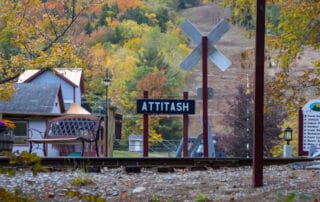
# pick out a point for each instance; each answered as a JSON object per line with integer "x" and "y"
{"x": 73, "y": 19}
{"x": 6, "y": 80}
{"x": 51, "y": 22}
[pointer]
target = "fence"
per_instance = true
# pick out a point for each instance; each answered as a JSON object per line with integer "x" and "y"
{"x": 166, "y": 148}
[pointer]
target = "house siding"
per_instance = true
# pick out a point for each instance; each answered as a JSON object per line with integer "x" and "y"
{"x": 56, "y": 107}
{"x": 39, "y": 125}
{"x": 68, "y": 93}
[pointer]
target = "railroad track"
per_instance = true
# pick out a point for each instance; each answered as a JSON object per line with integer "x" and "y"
{"x": 162, "y": 164}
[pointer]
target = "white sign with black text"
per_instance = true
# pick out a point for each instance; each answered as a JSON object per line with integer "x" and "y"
{"x": 311, "y": 125}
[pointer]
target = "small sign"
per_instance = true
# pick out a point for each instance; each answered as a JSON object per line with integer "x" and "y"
{"x": 210, "y": 93}
{"x": 163, "y": 106}
{"x": 311, "y": 125}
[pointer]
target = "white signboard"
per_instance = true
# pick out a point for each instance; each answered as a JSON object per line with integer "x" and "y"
{"x": 311, "y": 125}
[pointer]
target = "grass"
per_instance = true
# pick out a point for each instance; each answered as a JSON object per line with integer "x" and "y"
{"x": 82, "y": 180}
{"x": 127, "y": 154}
{"x": 117, "y": 153}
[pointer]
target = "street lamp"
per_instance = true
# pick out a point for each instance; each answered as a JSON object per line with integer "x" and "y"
{"x": 287, "y": 148}
{"x": 107, "y": 83}
{"x": 288, "y": 135}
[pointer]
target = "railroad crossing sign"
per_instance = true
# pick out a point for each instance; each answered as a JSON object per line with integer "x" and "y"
{"x": 216, "y": 57}
{"x": 204, "y": 48}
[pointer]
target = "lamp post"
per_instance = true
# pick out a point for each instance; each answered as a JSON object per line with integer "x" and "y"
{"x": 288, "y": 135}
{"x": 247, "y": 149}
{"x": 107, "y": 83}
{"x": 287, "y": 148}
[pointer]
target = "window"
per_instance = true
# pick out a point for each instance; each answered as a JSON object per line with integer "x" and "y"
{"x": 20, "y": 132}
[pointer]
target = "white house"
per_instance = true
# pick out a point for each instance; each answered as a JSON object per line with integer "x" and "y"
{"x": 31, "y": 106}
{"x": 41, "y": 95}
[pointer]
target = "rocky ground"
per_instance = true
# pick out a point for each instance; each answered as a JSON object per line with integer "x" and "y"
{"x": 298, "y": 181}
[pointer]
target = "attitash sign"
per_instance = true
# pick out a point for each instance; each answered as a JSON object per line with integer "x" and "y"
{"x": 163, "y": 106}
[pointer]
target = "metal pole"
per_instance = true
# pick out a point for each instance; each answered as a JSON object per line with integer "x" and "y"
{"x": 259, "y": 95}
{"x": 205, "y": 94}
{"x": 185, "y": 129}
{"x": 106, "y": 123}
{"x": 300, "y": 134}
{"x": 145, "y": 129}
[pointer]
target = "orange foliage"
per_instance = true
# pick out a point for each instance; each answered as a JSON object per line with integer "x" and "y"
{"x": 154, "y": 83}
{"x": 53, "y": 4}
{"x": 124, "y": 5}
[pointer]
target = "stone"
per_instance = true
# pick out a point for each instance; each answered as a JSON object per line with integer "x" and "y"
{"x": 138, "y": 190}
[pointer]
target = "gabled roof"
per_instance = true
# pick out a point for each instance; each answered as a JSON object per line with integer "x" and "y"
{"x": 73, "y": 76}
{"x": 33, "y": 99}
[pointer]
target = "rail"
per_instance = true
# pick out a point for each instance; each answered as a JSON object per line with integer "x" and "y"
{"x": 95, "y": 163}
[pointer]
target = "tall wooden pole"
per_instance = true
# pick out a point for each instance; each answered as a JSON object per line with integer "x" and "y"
{"x": 145, "y": 130}
{"x": 185, "y": 129}
{"x": 300, "y": 134}
{"x": 205, "y": 94}
{"x": 259, "y": 95}
{"x": 105, "y": 130}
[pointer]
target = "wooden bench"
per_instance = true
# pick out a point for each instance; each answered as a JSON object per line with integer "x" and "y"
{"x": 70, "y": 129}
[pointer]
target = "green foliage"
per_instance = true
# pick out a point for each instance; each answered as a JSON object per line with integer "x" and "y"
{"x": 88, "y": 28}
{"x": 138, "y": 15}
{"x": 24, "y": 160}
{"x": 107, "y": 11}
{"x": 170, "y": 128}
{"x": 201, "y": 198}
{"x": 183, "y": 4}
{"x": 293, "y": 175}
{"x": 162, "y": 17}
{"x": 293, "y": 197}
{"x": 243, "y": 12}
{"x": 6, "y": 195}
{"x": 272, "y": 16}
{"x": 92, "y": 198}
{"x": 138, "y": 74}
{"x": 151, "y": 57}
{"x": 82, "y": 180}
{"x": 155, "y": 198}
{"x": 115, "y": 36}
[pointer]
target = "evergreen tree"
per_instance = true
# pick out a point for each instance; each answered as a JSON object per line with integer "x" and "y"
{"x": 239, "y": 141}
{"x": 88, "y": 28}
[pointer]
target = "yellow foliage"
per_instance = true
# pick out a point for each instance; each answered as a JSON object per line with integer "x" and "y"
{"x": 133, "y": 44}
{"x": 152, "y": 17}
{"x": 154, "y": 137}
{"x": 292, "y": 122}
{"x": 6, "y": 91}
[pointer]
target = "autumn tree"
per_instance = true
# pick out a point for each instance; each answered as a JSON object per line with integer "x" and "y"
{"x": 292, "y": 26}
{"x": 238, "y": 141}
{"x": 35, "y": 34}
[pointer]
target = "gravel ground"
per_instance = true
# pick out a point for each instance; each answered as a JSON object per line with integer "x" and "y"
{"x": 298, "y": 181}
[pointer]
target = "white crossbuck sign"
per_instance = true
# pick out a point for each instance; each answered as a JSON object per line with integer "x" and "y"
{"x": 216, "y": 57}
